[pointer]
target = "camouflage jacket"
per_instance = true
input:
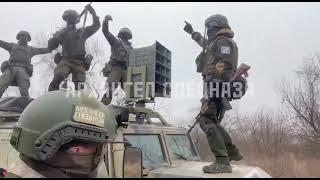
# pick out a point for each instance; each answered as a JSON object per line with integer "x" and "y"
{"x": 73, "y": 40}
{"x": 120, "y": 50}
{"x": 20, "y": 53}
{"x": 219, "y": 60}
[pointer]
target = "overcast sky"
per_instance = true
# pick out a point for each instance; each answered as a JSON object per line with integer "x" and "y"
{"x": 273, "y": 38}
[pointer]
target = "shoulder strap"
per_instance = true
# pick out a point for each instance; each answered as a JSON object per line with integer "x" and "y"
{"x": 120, "y": 40}
{"x": 29, "y": 50}
{"x": 123, "y": 43}
{"x": 14, "y": 47}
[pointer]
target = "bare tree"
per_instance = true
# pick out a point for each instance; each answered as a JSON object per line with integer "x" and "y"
{"x": 303, "y": 98}
{"x": 95, "y": 80}
{"x": 43, "y": 65}
{"x": 269, "y": 132}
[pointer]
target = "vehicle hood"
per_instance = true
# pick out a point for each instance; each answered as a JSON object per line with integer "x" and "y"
{"x": 194, "y": 170}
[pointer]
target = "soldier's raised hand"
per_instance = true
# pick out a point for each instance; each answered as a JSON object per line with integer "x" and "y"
{"x": 89, "y": 8}
{"x": 108, "y": 18}
{"x": 188, "y": 28}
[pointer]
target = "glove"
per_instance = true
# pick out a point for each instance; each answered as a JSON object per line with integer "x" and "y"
{"x": 108, "y": 18}
{"x": 90, "y": 9}
{"x": 188, "y": 28}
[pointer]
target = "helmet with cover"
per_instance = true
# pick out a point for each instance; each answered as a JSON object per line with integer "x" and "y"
{"x": 57, "y": 118}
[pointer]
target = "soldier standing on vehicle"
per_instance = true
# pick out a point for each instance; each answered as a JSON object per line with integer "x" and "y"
{"x": 116, "y": 68}
{"x": 18, "y": 69}
{"x": 218, "y": 62}
{"x": 73, "y": 59}
{"x": 61, "y": 137}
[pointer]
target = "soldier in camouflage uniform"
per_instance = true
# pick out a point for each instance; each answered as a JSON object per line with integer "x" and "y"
{"x": 218, "y": 62}
{"x": 116, "y": 67}
{"x": 18, "y": 69}
{"x": 55, "y": 137}
{"x": 72, "y": 40}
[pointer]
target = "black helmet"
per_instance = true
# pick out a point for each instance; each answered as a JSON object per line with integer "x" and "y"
{"x": 71, "y": 15}
{"x": 126, "y": 32}
{"x": 23, "y": 33}
{"x": 217, "y": 20}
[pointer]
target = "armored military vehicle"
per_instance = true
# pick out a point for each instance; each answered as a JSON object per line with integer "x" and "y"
{"x": 146, "y": 145}
{"x": 142, "y": 147}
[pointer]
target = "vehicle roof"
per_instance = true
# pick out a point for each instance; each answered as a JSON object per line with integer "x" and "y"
{"x": 14, "y": 104}
{"x": 194, "y": 169}
{"x": 10, "y": 110}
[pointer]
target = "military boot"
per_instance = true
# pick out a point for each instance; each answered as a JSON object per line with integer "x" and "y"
{"x": 216, "y": 168}
{"x": 221, "y": 165}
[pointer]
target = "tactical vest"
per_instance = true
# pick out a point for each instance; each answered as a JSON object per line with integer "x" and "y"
{"x": 20, "y": 54}
{"x": 73, "y": 45}
{"x": 123, "y": 51}
{"x": 120, "y": 56}
{"x": 209, "y": 61}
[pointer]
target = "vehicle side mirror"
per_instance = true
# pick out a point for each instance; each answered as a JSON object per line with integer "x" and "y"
{"x": 132, "y": 163}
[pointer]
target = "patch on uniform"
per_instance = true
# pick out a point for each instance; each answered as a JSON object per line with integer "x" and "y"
{"x": 225, "y": 50}
{"x": 88, "y": 115}
{"x": 219, "y": 67}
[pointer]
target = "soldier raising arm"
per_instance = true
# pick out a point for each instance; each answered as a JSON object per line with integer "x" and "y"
{"x": 5, "y": 45}
{"x": 124, "y": 34}
{"x": 217, "y": 62}
{"x": 33, "y": 50}
{"x": 73, "y": 60}
{"x": 196, "y": 36}
{"x": 18, "y": 69}
{"x": 72, "y": 18}
{"x": 105, "y": 30}
{"x": 90, "y": 30}
{"x": 116, "y": 67}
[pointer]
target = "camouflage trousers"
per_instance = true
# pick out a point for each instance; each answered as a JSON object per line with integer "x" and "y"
{"x": 15, "y": 76}
{"x": 117, "y": 75}
{"x": 64, "y": 69}
{"x": 218, "y": 138}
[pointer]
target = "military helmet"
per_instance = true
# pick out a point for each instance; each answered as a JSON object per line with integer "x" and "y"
{"x": 126, "y": 31}
{"x": 71, "y": 14}
{"x": 59, "y": 117}
{"x": 20, "y": 33}
{"x": 217, "y": 20}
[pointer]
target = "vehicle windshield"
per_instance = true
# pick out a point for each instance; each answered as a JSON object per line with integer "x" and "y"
{"x": 181, "y": 147}
{"x": 151, "y": 148}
